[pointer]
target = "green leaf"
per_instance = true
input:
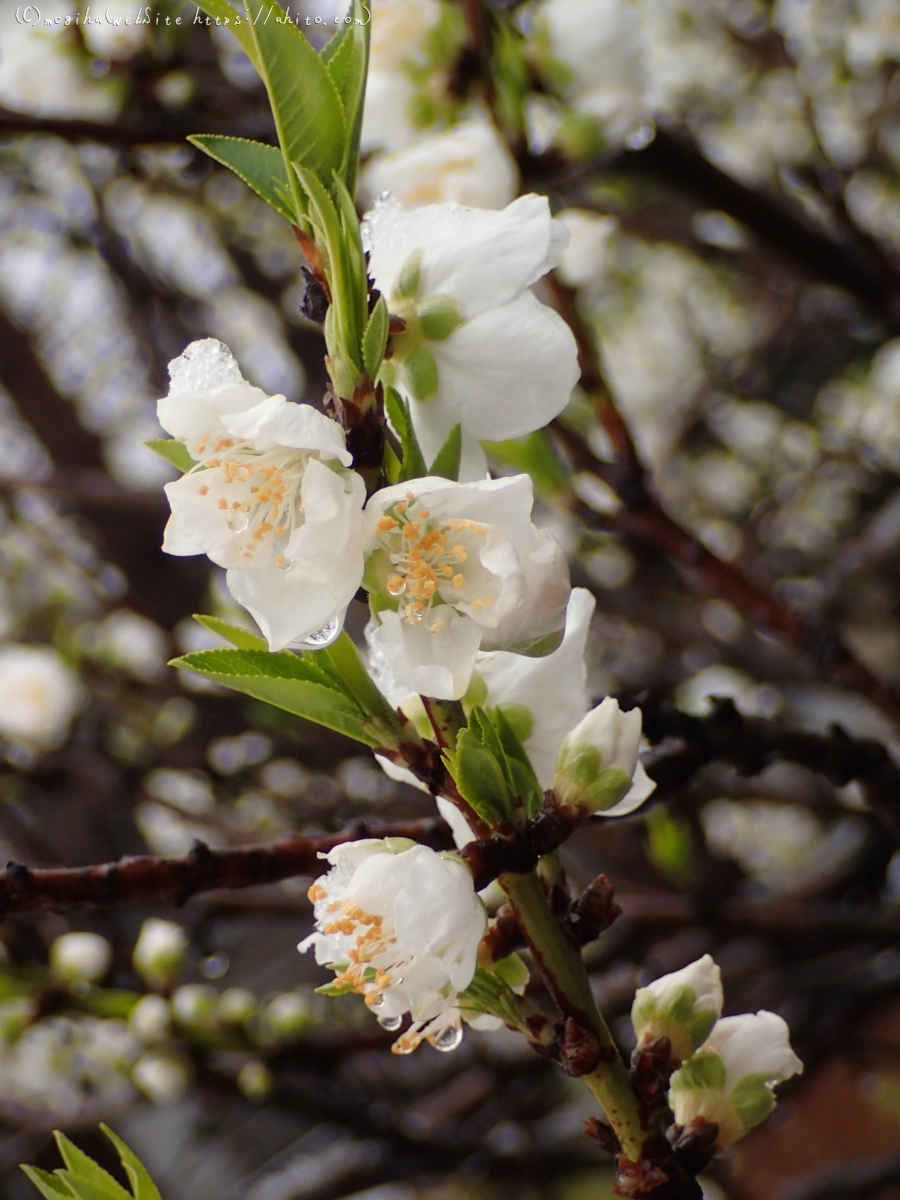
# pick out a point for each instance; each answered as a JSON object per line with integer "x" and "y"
{"x": 242, "y": 638}
{"x": 481, "y": 780}
{"x": 83, "y": 1187}
{"x": 173, "y": 452}
{"x": 80, "y": 1164}
{"x": 348, "y": 669}
{"x": 401, "y": 422}
{"x": 285, "y": 681}
{"x": 260, "y": 166}
{"x": 236, "y": 22}
{"x": 375, "y": 339}
{"x": 347, "y": 57}
{"x": 670, "y": 845}
{"x": 142, "y": 1185}
{"x": 525, "y": 781}
{"x": 393, "y": 467}
{"x": 50, "y": 1186}
{"x": 308, "y": 111}
{"x": 447, "y": 460}
{"x": 535, "y": 456}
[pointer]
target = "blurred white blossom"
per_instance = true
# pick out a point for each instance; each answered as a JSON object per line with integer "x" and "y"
{"x": 39, "y": 695}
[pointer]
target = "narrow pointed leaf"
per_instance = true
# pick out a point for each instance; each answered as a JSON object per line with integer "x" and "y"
{"x": 84, "y": 1188}
{"x": 237, "y": 23}
{"x": 141, "y": 1184}
{"x": 347, "y": 666}
{"x": 481, "y": 780}
{"x": 50, "y": 1186}
{"x": 173, "y": 452}
{"x": 375, "y": 339}
{"x": 398, "y": 414}
{"x": 448, "y": 458}
{"x": 525, "y": 781}
{"x": 346, "y": 56}
{"x": 260, "y": 166}
{"x": 242, "y": 638}
{"x": 82, "y": 1165}
{"x": 286, "y": 682}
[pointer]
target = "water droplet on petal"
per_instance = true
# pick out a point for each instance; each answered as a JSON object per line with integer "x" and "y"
{"x": 323, "y": 637}
{"x": 237, "y": 521}
{"x": 448, "y": 1039}
{"x": 390, "y": 1023}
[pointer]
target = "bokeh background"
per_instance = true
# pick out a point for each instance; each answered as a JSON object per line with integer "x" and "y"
{"x": 728, "y": 170}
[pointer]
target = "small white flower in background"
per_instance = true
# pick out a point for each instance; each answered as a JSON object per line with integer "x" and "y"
{"x": 39, "y": 696}
{"x": 585, "y": 258}
{"x": 598, "y": 763}
{"x": 401, "y": 925}
{"x": 683, "y": 1006}
{"x": 110, "y": 37}
{"x": 468, "y": 164}
{"x": 400, "y": 30}
{"x": 129, "y": 641}
{"x": 595, "y": 51}
{"x": 478, "y": 349}
{"x": 454, "y": 567}
{"x": 151, "y": 1019}
{"x": 159, "y": 952}
{"x": 270, "y": 498}
{"x": 730, "y": 1080}
{"x": 162, "y": 1078}
{"x": 80, "y": 957}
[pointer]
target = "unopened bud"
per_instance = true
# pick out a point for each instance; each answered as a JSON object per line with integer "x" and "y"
{"x": 80, "y": 958}
{"x": 194, "y": 1004}
{"x": 730, "y": 1081}
{"x": 287, "y": 1016}
{"x": 162, "y": 1078}
{"x": 683, "y": 1007}
{"x": 598, "y": 759}
{"x": 159, "y": 953}
{"x": 151, "y": 1019}
{"x": 236, "y": 1005}
{"x": 255, "y": 1081}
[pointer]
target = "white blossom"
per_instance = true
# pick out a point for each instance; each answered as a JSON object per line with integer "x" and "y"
{"x": 400, "y": 30}
{"x": 80, "y": 957}
{"x": 151, "y": 1019}
{"x": 478, "y": 349}
{"x": 270, "y": 498}
{"x": 39, "y": 695}
{"x": 400, "y": 925}
{"x": 162, "y": 1078}
{"x": 115, "y": 34}
{"x": 730, "y": 1080}
{"x": 598, "y": 761}
{"x": 682, "y": 1006}
{"x": 597, "y": 56}
{"x": 469, "y": 164}
{"x": 454, "y": 567}
{"x": 159, "y": 952}
{"x": 585, "y": 258}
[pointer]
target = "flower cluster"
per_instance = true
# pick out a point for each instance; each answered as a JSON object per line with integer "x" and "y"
{"x": 729, "y": 1065}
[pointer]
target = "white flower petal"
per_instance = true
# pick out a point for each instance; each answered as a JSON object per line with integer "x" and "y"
{"x": 278, "y": 422}
{"x": 432, "y": 664}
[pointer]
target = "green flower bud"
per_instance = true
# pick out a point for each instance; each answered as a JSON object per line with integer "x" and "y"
{"x": 80, "y": 958}
{"x": 683, "y": 1007}
{"x": 159, "y": 953}
{"x": 598, "y": 759}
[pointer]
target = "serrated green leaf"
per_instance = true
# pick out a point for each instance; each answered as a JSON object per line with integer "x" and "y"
{"x": 83, "y": 1187}
{"x": 236, "y": 22}
{"x": 308, "y": 111}
{"x": 481, "y": 780}
{"x": 393, "y": 467}
{"x": 347, "y": 668}
{"x": 141, "y": 1184}
{"x": 173, "y": 452}
{"x": 535, "y": 456}
{"x": 242, "y": 638}
{"x": 347, "y": 57}
{"x": 448, "y": 458}
{"x": 480, "y": 724}
{"x": 260, "y": 166}
{"x": 286, "y": 681}
{"x": 413, "y": 465}
{"x": 375, "y": 338}
{"x": 50, "y": 1186}
{"x": 525, "y": 781}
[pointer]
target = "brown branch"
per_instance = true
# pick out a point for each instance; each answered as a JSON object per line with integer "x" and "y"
{"x": 148, "y": 878}
{"x": 132, "y": 133}
{"x": 642, "y": 517}
{"x": 752, "y": 743}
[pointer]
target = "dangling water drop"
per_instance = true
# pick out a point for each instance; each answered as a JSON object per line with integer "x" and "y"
{"x": 375, "y": 1002}
{"x": 323, "y": 637}
{"x": 390, "y": 1023}
{"x": 448, "y": 1039}
{"x": 237, "y": 521}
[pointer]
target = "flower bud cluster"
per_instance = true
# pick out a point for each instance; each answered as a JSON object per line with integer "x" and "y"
{"x": 729, "y": 1065}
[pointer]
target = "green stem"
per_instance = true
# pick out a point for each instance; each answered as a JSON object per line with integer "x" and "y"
{"x": 561, "y": 965}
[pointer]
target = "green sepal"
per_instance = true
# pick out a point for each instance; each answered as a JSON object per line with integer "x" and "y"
{"x": 447, "y": 460}
{"x": 375, "y": 338}
{"x": 334, "y": 989}
{"x": 422, "y": 374}
{"x": 752, "y": 1099}
{"x": 173, "y": 452}
{"x": 288, "y": 682}
{"x": 489, "y": 992}
{"x": 406, "y": 285}
{"x": 242, "y": 638}
{"x": 413, "y": 465}
{"x": 260, "y": 166}
{"x": 438, "y": 317}
{"x": 701, "y": 1072}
